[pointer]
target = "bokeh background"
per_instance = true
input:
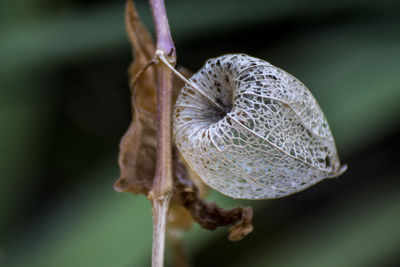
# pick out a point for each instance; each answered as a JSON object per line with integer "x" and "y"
{"x": 64, "y": 104}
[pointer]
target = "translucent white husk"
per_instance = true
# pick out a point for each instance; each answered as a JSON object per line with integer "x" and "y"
{"x": 271, "y": 140}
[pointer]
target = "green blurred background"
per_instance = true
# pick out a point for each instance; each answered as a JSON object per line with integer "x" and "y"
{"x": 64, "y": 104}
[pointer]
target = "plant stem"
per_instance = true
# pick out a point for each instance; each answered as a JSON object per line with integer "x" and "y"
{"x": 163, "y": 34}
{"x": 160, "y": 211}
{"x": 162, "y": 183}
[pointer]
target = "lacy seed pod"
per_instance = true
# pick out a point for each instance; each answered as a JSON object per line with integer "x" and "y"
{"x": 253, "y": 131}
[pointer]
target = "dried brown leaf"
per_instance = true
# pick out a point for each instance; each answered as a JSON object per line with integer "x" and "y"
{"x": 137, "y": 154}
{"x": 244, "y": 227}
{"x": 143, "y": 51}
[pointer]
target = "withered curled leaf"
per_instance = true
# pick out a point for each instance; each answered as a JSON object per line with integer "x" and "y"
{"x": 137, "y": 154}
{"x": 244, "y": 227}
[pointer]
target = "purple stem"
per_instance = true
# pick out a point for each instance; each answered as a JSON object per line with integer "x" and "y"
{"x": 163, "y": 34}
{"x": 162, "y": 183}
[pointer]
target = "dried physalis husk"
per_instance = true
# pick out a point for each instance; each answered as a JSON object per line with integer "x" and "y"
{"x": 253, "y": 131}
